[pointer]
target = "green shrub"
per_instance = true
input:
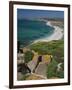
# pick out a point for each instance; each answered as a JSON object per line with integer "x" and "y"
{"x": 60, "y": 74}
{"x": 51, "y": 69}
{"x": 28, "y": 56}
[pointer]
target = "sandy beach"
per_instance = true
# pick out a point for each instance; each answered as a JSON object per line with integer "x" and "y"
{"x": 58, "y": 33}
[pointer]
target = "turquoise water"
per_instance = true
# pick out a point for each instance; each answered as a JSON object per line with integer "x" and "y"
{"x": 31, "y": 30}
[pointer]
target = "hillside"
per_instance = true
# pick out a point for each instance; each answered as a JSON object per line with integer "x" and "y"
{"x": 56, "y": 49}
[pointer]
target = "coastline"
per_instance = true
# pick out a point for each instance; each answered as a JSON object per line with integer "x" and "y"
{"x": 57, "y": 35}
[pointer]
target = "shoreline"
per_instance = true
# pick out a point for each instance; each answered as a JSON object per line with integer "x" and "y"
{"x": 57, "y": 35}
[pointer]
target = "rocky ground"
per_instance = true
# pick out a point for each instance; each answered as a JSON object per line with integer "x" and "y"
{"x": 40, "y": 72}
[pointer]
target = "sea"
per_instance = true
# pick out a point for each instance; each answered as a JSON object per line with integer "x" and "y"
{"x": 30, "y": 30}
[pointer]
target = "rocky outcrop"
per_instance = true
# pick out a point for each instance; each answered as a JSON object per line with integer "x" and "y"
{"x": 20, "y": 58}
{"x": 41, "y": 69}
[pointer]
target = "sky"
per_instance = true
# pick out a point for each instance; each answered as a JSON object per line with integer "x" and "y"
{"x": 30, "y": 14}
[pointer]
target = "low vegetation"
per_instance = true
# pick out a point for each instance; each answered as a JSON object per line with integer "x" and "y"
{"x": 52, "y": 70}
{"x": 56, "y": 49}
{"x": 28, "y": 56}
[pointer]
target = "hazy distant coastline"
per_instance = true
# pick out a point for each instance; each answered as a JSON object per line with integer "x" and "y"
{"x": 57, "y": 35}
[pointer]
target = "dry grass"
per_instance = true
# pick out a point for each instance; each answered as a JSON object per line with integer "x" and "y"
{"x": 33, "y": 77}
